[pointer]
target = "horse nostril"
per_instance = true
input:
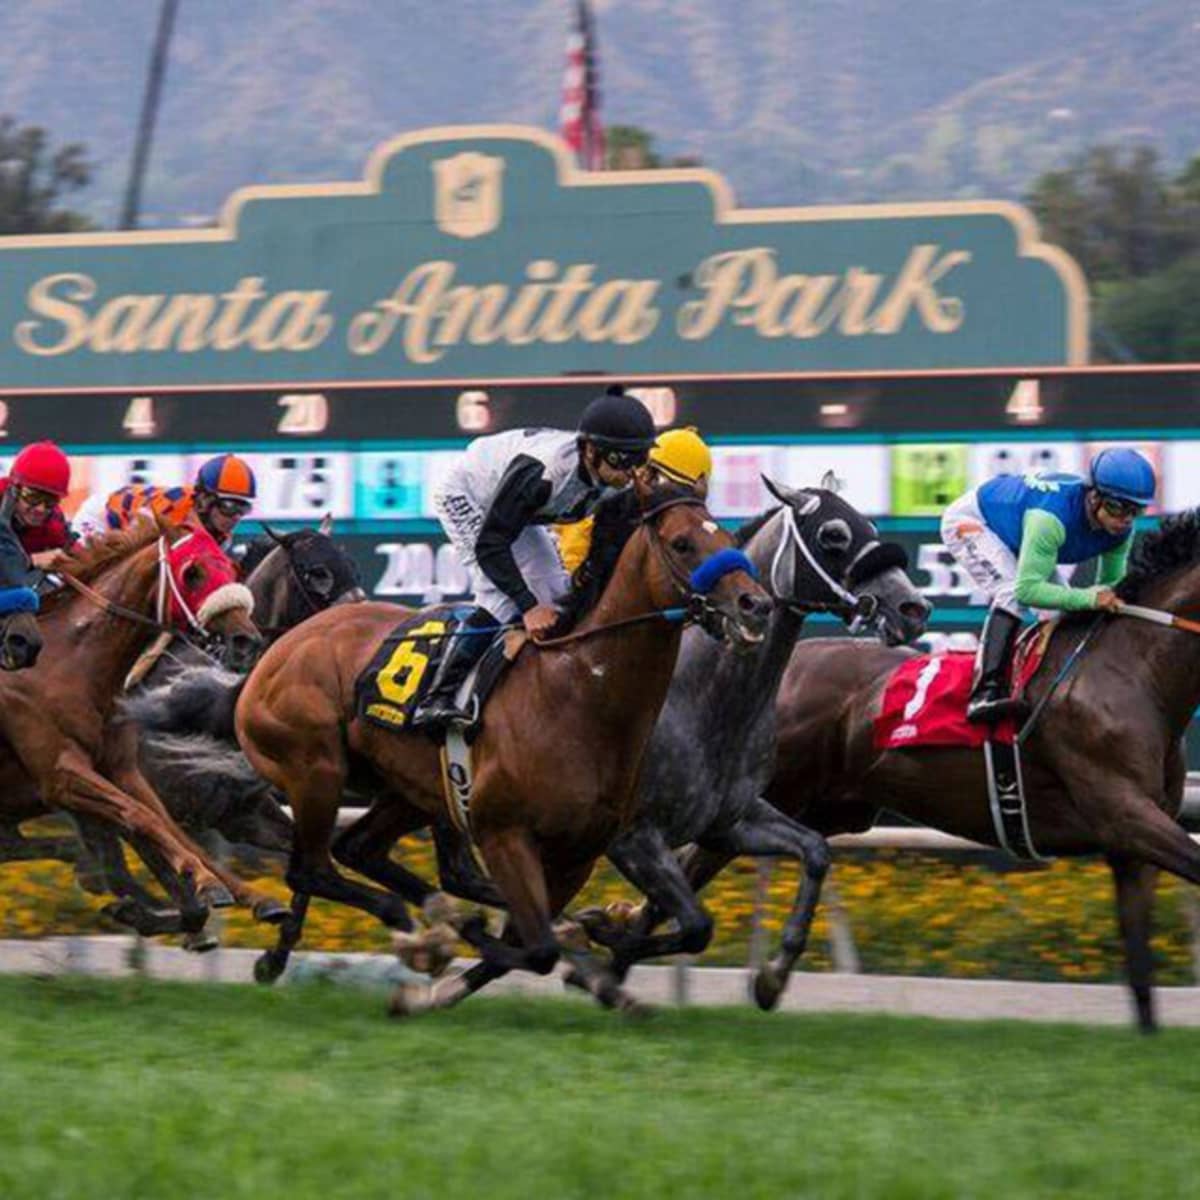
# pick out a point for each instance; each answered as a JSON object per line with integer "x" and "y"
{"x": 916, "y": 610}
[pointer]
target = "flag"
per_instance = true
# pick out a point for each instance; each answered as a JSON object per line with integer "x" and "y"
{"x": 580, "y": 117}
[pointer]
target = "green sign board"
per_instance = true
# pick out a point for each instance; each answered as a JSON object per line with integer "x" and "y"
{"x": 483, "y": 253}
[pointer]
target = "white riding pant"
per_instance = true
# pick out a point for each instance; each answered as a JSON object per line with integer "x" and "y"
{"x": 535, "y": 552}
{"x": 989, "y": 562}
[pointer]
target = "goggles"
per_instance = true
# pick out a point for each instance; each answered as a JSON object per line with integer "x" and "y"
{"x": 624, "y": 460}
{"x": 230, "y": 506}
{"x": 1125, "y": 510}
{"x": 36, "y": 498}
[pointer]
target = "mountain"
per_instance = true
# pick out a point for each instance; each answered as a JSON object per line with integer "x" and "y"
{"x": 795, "y": 101}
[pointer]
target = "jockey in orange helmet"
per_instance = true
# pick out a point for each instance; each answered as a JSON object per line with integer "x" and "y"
{"x": 38, "y": 480}
{"x": 220, "y": 497}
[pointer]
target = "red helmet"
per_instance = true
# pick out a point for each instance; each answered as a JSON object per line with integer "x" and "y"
{"x": 44, "y": 466}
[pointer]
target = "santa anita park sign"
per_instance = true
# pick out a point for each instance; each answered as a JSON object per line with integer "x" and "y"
{"x": 483, "y": 253}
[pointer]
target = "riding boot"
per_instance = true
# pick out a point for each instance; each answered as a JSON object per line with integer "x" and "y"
{"x": 440, "y": 705}
{"x": 990, "y": 699}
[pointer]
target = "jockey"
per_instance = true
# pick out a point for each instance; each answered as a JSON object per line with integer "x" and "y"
{"x": 495, "y": 505}
{"x": 678, "y": 456}
{"x": 31, "y": 496}
{"x": 220, "y": 497}
{"x": 1010, "y": 535}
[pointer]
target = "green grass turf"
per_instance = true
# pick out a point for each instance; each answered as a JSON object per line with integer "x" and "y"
{"x": 141, "y": 1090}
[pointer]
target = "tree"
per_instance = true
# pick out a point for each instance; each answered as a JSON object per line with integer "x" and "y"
{"x": 34, "y": 179}
{"x": 631, "y": 148}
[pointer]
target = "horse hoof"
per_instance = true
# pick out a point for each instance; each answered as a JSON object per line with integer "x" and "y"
{"x": 606, "y": 926}
{"x": 768, "y": 988}
{"x": 410, "y": 999}
{"x": 636, "y": 1010}
{"x": 200, "y": 943}
{"x": 267, "y": 968}
{"x": 271, "y": 911}
{"x": 216, "y": 895}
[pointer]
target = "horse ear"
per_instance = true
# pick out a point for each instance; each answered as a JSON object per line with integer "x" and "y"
{"x": 831, "y": 483}
{"x": 275, "y": 537}
{"x": 783, "y": 494}
{"x": 326, "y": 526}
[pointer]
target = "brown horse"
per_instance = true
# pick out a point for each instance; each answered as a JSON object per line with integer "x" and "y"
{"x": 555, "y": 765}
{"x": 1103, "y": 764}
{"x": 65, "y": 745}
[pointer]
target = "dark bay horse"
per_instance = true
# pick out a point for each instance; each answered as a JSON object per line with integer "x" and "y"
{"x": 555, "y": 765}
{"x": 67, "y": 748}
{"x": 712, "y": 752}
{"x": 1104, "y": 767}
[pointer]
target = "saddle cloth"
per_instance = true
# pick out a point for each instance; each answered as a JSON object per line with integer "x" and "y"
{"x": 925, "y": 699}
{"x": 398, "y": 676}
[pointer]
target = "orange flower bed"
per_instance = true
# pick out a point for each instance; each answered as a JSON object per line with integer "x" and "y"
{"x": 908, "y": 915}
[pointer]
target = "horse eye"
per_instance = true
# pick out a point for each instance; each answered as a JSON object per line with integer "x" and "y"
{"x": 834, "y": 535}
{"x": 681, "y": 544}
{"x": 320, "y": 579}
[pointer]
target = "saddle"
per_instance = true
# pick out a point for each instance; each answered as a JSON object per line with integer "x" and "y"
{"x": 405, "y": 664}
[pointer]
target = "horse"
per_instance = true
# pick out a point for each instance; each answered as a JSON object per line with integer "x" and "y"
{"x": 290, "y": 577}
{"x": 67, "y": 748}
{"x": 712, "y": 751}
{"x": 1103, "y": 763}
{"x": 556, "y": 760}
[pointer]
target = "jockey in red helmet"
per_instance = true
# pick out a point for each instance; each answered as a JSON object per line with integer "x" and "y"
{"x": 221, "y": 496}
{"x": 31, "y": 496}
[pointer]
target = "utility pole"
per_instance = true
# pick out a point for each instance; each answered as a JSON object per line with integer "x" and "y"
{"x": 154, "y": 80}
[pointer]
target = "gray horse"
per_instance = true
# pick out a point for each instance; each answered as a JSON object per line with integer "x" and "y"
{"x": 712, "y": 752}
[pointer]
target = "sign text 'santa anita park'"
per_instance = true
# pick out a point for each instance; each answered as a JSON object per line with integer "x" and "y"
{"x": 483, "y": 253}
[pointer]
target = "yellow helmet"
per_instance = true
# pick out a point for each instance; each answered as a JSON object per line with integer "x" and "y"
{"x": 682, "y": 455}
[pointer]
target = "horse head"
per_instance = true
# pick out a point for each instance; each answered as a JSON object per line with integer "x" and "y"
{"x": 829, "y": 555}
{"x": 299, "y": 574}
{"x": 198, "y": 589}
{"x": 700, "y": 568}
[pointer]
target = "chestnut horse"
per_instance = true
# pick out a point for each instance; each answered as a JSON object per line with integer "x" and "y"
{"x": 556, "y": 762}
{"x": 66, "y": 747}
{"x": 1103, "y": 764}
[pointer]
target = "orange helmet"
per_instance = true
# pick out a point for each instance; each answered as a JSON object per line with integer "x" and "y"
{"x": 227, "y": 476}
{"x": 44, "y": 466}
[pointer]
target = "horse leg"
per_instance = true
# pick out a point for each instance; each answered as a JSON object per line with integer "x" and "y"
{"x": 364, "y": 847}
{"x": 270, "y": 964}
{"x": 79, "y": 788}
{"x": 1135, "y": 904}
{"x": 764, "y": 832}
{"x": 121, "y": 755}
{"x": 16, "y": 847}
{"x": 457, "y": 869}
{"x": 642, "y": 855}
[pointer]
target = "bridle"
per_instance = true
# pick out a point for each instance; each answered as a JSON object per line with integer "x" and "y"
{"x": 314, "y": 603}
{"x": 859, "y": 612}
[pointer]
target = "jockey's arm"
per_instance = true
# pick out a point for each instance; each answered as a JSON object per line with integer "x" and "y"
{"x": 522, "y": 492}
{"x": 1113, "y": 564}
{"x": 1042, "y": 537}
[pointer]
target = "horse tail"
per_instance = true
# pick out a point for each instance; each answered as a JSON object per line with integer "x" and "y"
{"x": 197, "y": 700}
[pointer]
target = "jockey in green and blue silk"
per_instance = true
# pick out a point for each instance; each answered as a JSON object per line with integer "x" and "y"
{"x": 1012, "y": 533}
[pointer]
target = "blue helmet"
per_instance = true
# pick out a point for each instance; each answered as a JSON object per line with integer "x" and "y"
{"x": 1123, "y": 473}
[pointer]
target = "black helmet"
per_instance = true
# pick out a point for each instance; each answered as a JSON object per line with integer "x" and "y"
{"x": 616, "y": 421}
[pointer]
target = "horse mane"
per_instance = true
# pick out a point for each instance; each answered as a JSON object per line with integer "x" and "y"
{"x": 743, "y": 534}
{"x": 1174, "y": 544}
{"x": 615, "y": 520}
{"x": 86, "y": 562}
{"x": 256, "y": 550}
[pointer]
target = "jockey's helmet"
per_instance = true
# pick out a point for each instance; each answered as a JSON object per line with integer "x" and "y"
{"x": 617, "y": 422}
{"x": 682, "y": 455}
{"x": 42, "y": 465}
{"x": 1124, "y": 474}
{"x": 228, "y": 478}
